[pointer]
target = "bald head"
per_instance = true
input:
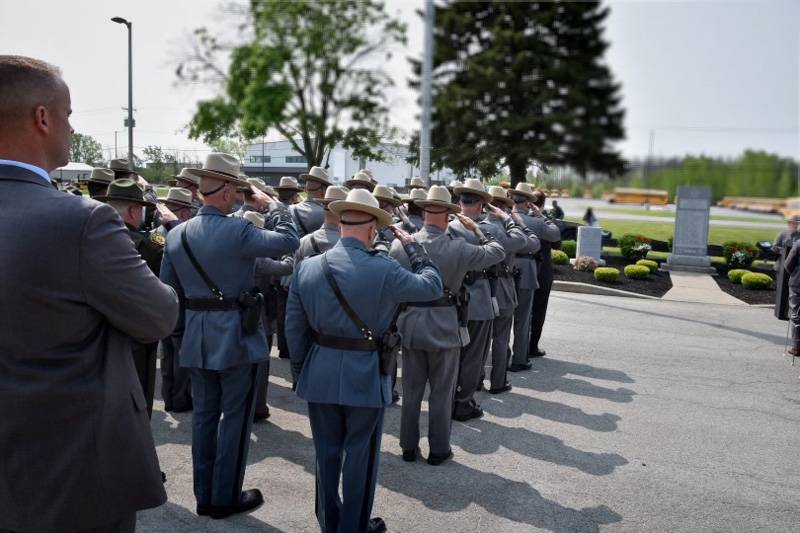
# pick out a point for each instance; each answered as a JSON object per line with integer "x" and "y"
{"x": 34, "y": 112}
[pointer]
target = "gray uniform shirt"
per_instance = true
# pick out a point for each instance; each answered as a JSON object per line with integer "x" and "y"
{"x": 436, "y": 328}
{"x": 324, "y": 238}
{"x": 480, "y": 291}
{"x": 512, "y": 241}
{"x": 527, "y": 265}
{"x": 309, "y": 215}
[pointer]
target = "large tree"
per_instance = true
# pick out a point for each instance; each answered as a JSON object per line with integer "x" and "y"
{"x": 522, "y": 83}
{"x": 309, "y": 69}
{"x": 85, "y": 149}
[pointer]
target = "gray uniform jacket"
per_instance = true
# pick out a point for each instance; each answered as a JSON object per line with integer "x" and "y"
{"x": 513, "y": 240}
{"x": 77, "y": 451}
{"x": 323, "y": 240}
{"x": 437, "y": 328}
{"x": 790, "y": 265}
{"x": 527, "y": 266}
{"x": 309, "y": 215}
{"x": 480, "y": 291}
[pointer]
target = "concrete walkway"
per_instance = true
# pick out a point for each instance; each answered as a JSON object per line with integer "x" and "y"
{"x": 698, "y": 288}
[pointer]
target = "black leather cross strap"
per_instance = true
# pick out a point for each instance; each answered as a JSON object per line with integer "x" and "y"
{"x": 216, "y": 291}
{"x": 314, "y": 244}
{"x": 300, "y": 222}
{"x": 345, "y": 343}
{"x": 366, "y": 333}
{"x": 212, "y": 304}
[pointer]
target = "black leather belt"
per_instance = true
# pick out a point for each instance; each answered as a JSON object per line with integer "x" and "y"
{"x": 212, "y": 304}
{"x": 447, "y": 300}
{"x": 345, "y": 343}
{"x": 504, "y": 274}
{"x": 526, "y": 256}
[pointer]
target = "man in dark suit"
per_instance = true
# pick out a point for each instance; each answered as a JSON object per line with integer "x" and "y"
{"x": 78, "y": 453}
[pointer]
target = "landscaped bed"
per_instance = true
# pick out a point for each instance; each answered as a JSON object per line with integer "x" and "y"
{"x": 656, "y": 284}
{"x": 752, "y": 297}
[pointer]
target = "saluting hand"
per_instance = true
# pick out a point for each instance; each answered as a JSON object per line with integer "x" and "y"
{"x": 517, "y": 218}
{"x": 497, "y": 212}
{"x": 166, "y": 214}
{"x": 468, "y": 223}
{"x": 264, "y": 201}
{"x": 535, "y": 210}
{"x": 404, "y": 237}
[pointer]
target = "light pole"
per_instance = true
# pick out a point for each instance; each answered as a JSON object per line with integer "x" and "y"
{"x": 129, "y": 122}
{"x": 427, "y": 69}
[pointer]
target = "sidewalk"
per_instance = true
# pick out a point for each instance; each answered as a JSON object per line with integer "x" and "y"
{"x": 698, "y": 288}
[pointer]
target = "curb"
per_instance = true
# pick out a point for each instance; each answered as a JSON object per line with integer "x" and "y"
{"x": 586, "y": 288}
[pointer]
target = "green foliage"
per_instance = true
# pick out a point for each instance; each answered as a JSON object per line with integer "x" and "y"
{"x": 636, "y": 272}
{"x": 736, "y": 274}
{"x": 651, "y": 265}
{"x": 756, "y": 281}
{"x": 569, "y": 247}
{"x": 85, "y": 149}
{"x": 754, "y": 173}
{"x": 606, "y": 274}
{"x": 559, "y": 257}
{"x": 739, "y": 254}
{"x": 634, "y": 247}
{"x": 517, "y": 82}
{"x": 308, "y": 70}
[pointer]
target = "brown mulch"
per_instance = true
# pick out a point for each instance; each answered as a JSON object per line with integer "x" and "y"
{"x": 657, "y": 283}
{"x": 746, "y": 295}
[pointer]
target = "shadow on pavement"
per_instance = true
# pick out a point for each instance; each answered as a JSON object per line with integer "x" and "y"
{"x": 768, "y": 337}
{"x": 512, "y": 405}
{"x": 168, "y": 516}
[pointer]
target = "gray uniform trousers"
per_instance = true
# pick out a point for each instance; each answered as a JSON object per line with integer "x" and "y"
{"x": 501, "y": 333}
{"x": 522, "y": 325}
{"x": 219, "y": 448}
{"x": 440, "y": 369}
{"x": 471, "y": 364}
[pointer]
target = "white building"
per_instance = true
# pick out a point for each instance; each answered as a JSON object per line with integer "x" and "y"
{"x": 72, "y": 172}
{"x": 271, "y": 160}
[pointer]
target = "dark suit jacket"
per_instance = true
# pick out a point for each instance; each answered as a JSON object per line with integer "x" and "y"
{"x": 77, "y": 451}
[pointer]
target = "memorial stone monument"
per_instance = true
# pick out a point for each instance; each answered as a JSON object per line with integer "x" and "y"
{"x": 590, "y": 243}
{"x": 690, "y": 242}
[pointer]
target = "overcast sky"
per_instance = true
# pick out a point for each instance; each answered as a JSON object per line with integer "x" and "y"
{"x": 705, "y": 77}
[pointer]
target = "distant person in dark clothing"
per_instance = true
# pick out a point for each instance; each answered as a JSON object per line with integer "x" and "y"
{"x": 589, "y": 218}
{"x": 556, "y": 212}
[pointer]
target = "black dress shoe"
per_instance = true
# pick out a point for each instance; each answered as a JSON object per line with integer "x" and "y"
{"x": 163, "y": 477}
{"x": 250, "y": 499}
{"x": 203, "y": 510}
{"x": 476, "y": 412}
{"x": 376, "y": 525}
{"x": 520, "y": 367}
{"x": 282, "y": 355}
{"x": 504, "y": 388}
{"x": 410, "y": 456}
{"x": 436, "y": 459}
{"x": 257, "y": 417}
{"x": 537, "y": 353}
{"x": 395, "y": 396}
{"x": 481, "y": 387}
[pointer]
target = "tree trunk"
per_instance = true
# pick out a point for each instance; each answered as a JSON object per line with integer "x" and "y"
{"x": 518, "y": 170}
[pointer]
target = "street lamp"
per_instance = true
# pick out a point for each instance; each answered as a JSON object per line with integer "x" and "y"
{"x": 129, "y": 122}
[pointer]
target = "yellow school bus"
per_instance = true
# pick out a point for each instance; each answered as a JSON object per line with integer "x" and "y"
{"x": 629, "y": 195}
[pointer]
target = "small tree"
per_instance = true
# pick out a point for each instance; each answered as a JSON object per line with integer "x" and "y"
{"x": 85, "y": 149}
{"x": 309, "y": 70}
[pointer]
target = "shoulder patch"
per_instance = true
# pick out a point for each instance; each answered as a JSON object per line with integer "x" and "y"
{"x": 157, "y": 239}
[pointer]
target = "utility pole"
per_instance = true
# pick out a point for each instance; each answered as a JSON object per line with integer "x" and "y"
{"x": 116, "y": 155}
{"x": 129, "y": 122}
{"x": 646, "y": 172}
{"x": 427, "y": 74}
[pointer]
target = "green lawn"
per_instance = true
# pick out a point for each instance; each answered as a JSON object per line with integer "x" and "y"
{"x": 662, "y": 231}
{"x": 656, "y": 212}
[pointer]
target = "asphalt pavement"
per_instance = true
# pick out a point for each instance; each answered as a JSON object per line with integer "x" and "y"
{"x": 645, "y": 415}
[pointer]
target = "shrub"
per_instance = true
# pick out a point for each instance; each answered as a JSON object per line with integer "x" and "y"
{"x": 585, "y": 263}
{"x": 634, "y": 247}
{"x": 739, "y": 254}
{"x": 569, "y": 248}
{"x": 652, "y": 265}
{"x": 559, "y": 257}
{"x": 636, "y": 272}
{"x": 736, "y": 274}
{"x": 606, "y": 274}
{"x": 756, "y": 281}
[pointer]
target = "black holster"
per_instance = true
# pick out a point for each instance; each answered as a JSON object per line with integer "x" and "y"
{"x": 251, "y": 304}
